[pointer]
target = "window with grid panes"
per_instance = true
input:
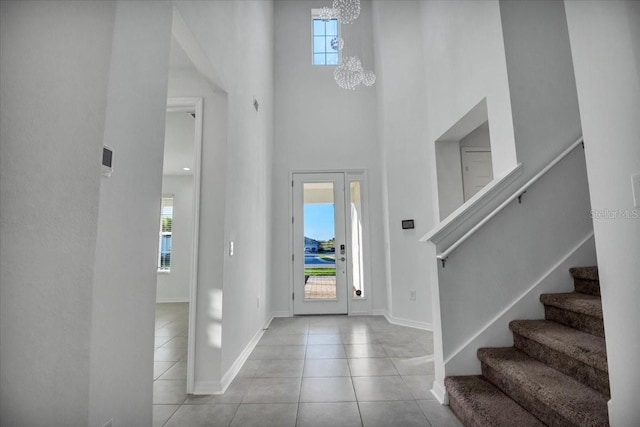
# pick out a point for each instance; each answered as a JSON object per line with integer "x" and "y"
{"x": 166, "y": 234}
{"x": 326, "y": 41}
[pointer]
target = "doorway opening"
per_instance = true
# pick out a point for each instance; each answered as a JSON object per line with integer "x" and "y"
{"x": 178, "y": 241}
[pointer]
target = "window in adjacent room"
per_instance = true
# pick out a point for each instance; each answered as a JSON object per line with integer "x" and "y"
{"x": 166, "y": 230}
{"x": 326, "y": 40}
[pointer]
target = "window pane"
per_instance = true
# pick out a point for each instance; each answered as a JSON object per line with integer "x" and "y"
{"x": 166, "y": 229}
{"x": 332, "y": 59}
{"x": 319, "y": 45}
{"x": 332, "y": 27}
{"x": 357, "y": 271}
{"x": 327, "y": 45}
{"x": 319, "y": 59}
{"x": 318, "y": 27}
{"x": 319, "y": 241}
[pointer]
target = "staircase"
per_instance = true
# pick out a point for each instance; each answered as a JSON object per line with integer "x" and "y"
{"x": 555, "y": 374}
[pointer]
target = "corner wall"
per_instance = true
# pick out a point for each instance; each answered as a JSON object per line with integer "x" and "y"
{"x": 54, "y": 68}
{"x": 236, "y": 39}
{"x": 124, "y": 294}
{"x": 605, "y": 43}
{"x": 402, "y": 120}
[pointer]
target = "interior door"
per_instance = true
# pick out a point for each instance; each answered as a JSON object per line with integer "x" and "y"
{"x": 477, "y": 170}
{"x": 319, "y": 244}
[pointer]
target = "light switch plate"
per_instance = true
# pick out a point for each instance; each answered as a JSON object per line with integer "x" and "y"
{"x": 635, "y": 187}
{"x": 230, "y": 247}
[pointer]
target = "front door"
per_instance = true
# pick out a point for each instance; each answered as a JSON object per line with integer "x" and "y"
{"x": 319, "y": 244}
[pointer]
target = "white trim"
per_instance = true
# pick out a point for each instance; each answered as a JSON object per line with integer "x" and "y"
{"x": 440, "y": 393}
{"x": 379, "y": 312}
{"x": 231, "y": 373}
{"x": 282, "y": 313}
{"x": 471, "y": 207}
{"x": 206, "y": 388}
{"x": 518, "y": 193}
{"x": 500, "y": 316}
{"x": 408, "y": 323}
{"x": 193, "y": 105}
{"x": 172, "y": 300}
{"x": 348, "y": 174}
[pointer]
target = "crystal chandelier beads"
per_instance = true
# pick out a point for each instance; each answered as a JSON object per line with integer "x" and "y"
{"x": 327, "y": 13}
{"x": 337, "y": 43}
{"x": 348, "y": 10}
{"x": 349, "y": 73}
{"x": 369, "y": 78}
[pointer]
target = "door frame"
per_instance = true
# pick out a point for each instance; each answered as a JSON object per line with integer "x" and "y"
{"x": 192, "y": 105}
{"x": 359, "y": 306}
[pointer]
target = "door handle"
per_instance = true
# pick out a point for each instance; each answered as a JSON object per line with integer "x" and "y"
{"x": 343, "y": 259}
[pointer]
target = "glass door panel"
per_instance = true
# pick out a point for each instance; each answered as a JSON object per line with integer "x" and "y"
{"x": 320, "y": 252}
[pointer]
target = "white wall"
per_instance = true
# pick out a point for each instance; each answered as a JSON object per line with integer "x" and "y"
{"x": 174, "y": 286}
{"x": 465, "y": 62}
{"x": 478, "y": 138}
{"x": 124, "y": 292}
{"x": 54, "y": 66}
{"x": 541, "y": 81}
{"x": 319, "y": 126}
{"x": 237, "y": 41}
{"x": 401, "y": 129}
{"x": 605, "y": 43}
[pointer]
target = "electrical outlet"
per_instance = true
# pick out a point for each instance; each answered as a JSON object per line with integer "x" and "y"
{"x": 258, "y": 302}
{"x": 230, "y": 247}
{"x": 412, "y": 295}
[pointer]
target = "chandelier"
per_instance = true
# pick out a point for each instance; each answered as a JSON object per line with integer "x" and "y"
{"x": 350, "y": 73}
{"x": 347, "y": 10}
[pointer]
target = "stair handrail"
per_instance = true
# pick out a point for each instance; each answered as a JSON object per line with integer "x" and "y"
{"x": 442, "y": 256}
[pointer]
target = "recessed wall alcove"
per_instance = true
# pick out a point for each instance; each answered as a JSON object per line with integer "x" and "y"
{"x": 463, "y": 159}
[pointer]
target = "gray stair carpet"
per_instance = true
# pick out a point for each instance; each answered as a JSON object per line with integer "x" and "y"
{"x": 556, "y": 373}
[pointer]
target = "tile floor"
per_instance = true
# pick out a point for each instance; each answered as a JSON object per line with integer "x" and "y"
{"x": 335, "y": 371}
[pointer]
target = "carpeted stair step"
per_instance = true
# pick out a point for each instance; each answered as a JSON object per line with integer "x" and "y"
{"x": 586, "y": 280}
{"x": 578, "y": 354}
{"x": 574, "y": 309}
{"x": 554, "y": 398}
{"x": 478, "y": 403}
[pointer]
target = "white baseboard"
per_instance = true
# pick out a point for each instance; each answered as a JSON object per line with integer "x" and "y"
{"x": 440, "y": 393}
{"x": 283, "y": 313}
{"x": 215, "y": 387}
{"x": 207, "y": 387}
{"x": 408, "y": 323}
{"x": 378, "y": 312}
{"x": 168, "y": 300}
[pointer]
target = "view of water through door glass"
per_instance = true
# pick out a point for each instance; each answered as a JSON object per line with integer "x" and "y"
{"x": 319, "y": 241}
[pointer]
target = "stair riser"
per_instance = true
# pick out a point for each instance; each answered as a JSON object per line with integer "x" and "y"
{"x": 588, "y": 375}
{"x": 586, "y": 286}
{"x": 530, "y": 403}
{"x": 467, "y": 419}
{"x": 581, "y": 322}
